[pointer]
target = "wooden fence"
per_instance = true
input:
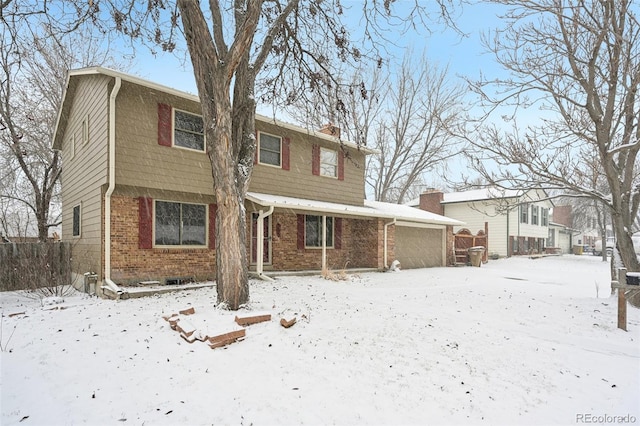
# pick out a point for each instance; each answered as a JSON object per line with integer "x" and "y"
{"x": 30, "y": 266}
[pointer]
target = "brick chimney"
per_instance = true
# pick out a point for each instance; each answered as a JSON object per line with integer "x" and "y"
{"x": 331, "y": 130}
{"x": 563, "y": 215}
{"x": 430, "y": 200}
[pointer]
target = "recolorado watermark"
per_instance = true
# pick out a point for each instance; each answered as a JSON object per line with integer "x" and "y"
{"x": 603, "y": 419}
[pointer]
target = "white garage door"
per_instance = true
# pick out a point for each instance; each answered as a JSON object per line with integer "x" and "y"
{"x": 418, "y": 247}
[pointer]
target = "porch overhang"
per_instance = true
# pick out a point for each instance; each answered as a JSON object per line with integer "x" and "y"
{"x": 370, "y": 209}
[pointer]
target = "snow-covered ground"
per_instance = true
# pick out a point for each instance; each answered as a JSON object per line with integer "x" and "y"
{"x": 517, "y": 341}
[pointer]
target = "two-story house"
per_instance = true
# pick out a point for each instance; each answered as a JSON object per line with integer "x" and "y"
{"x": 516, "y": 222}
{"x": 138, "y": 201}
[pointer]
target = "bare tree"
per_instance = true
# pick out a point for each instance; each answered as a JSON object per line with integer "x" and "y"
{"x": 578, "y": 61}
{"x": 34, "y": 59}
{"x": 405, "y": 114}
{"x": 413, "y": 133}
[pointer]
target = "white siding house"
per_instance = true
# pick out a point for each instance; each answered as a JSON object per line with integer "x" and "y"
{"x": 517, "y": 222}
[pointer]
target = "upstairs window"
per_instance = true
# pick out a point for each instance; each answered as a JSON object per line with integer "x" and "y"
{"x": 180, "y": 224}
{"x": 270, "y": 150}
{"x": 328, "y": 162}
{"x": 313, "y": 231}
{"x": 188, "y": 130}
{"x": 534, "y": 215}
{"x": 545, "y": 217}
{"x": 524, "y": 213}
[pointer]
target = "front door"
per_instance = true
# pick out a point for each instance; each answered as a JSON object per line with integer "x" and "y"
{"x": 266, "y": 242}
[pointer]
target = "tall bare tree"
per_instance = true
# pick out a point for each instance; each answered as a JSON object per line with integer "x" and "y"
{"x": 578, "y": 63}
{"x": 35, "y": 55}
{"x": 413, "y": 134}
{"x": 406, "y": 114}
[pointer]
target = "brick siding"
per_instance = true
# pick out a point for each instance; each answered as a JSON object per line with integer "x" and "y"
{"x": 132, "y": 264}
{"x": 362, "y": 247}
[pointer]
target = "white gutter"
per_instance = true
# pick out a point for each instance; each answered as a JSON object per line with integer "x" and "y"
{"x": 112, "y": 184}
{"x": 386, "y": 225}
{"x": 260, "y": 244}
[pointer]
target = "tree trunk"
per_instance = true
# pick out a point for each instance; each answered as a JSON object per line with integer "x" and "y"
{"x": 625, "y": 246}
{"x": 213, "y": 79}
{"x": 232, "y": 281}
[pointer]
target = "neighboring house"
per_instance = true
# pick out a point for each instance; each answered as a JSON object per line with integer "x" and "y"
{"x": 516, "y": 222}
{"x": 560, "y": 238}
{"x": 138, "y": 201}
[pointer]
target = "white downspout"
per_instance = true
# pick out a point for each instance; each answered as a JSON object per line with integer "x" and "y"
{"x": 112, "y": 184}
{"x": 324, "y": 243}
{"x": 260, "y": 243}
{"x": 386, "y": 225}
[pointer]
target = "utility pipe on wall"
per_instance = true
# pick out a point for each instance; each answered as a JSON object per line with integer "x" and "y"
{"x": 112, "y": 184}
{"x": 386, "y": 225}
{"x": 260, "y": 243}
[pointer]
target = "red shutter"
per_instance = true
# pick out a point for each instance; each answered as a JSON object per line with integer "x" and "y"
{"x": 315, "y": 160}
{"x": 300, "y": 232}
{"x": 212, "y": 225}
{"x": 286, "y": 142}
{"x": 340, "y": 165}
{"x": 145, "y": 223}
{"x": 164, "y": 124}
{"x": 337, "y": 233}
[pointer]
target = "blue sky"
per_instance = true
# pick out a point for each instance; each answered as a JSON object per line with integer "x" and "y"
{"x": 463, "y": 55}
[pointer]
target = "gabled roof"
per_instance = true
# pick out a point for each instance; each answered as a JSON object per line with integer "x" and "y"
{"x": 480, "y": 195}
{"x": 74, "y": 74}
{"x": 370, "y": 209}
{"x": 475, "y": 195}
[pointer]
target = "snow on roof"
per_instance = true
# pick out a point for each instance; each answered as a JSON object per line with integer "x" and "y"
{"x": 370, "y": 209}
{"x": 404, "y": 212}
{"x": 480, "y": 194}
{"x": 473, "y": 195}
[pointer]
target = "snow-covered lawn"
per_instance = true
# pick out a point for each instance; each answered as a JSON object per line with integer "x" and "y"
{"x": 517, "y": 341}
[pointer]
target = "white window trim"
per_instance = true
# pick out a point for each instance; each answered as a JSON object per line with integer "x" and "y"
{"x": 173, "y": 131}
{"x": 180, "y": 246}
{"x": 335, "y": 165}
{"x": 79, "y": 206}
{"x": 333, "y": 232}
{"x": 258, "y": 148}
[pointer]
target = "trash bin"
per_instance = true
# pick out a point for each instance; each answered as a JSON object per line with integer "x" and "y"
{"x": 475, "y": 255}
{"x": 633, "y": 278}
{"x": 577, "y": 250}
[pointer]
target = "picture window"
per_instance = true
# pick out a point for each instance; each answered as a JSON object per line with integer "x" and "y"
{"x": 180, "y": 224}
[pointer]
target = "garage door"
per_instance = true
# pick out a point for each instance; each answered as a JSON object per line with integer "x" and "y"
{"x": 418, "y": 247}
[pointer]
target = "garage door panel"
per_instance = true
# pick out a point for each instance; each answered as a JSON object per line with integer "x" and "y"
{"x": 418, "y": 247}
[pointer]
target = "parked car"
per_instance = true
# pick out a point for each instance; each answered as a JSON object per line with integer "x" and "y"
{"x": 597, "y": 248}
{"x": 636, "y": 242}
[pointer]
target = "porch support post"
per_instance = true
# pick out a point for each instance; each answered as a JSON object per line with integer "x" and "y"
{"x": 260, "y": 240}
